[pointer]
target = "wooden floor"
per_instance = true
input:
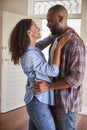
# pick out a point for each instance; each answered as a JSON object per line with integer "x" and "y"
{"x": 14, "y": 120}
{"x": 18, "y": 120}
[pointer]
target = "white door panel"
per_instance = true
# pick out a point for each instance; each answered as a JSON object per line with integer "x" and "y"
{"x": 13, "y": 79}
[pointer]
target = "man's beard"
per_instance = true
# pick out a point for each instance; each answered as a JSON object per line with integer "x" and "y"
{"x": 56, "y": 30}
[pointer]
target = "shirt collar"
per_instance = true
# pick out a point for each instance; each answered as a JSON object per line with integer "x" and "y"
{"x": 64, "y": 34}
{"x": 31, "y": 48}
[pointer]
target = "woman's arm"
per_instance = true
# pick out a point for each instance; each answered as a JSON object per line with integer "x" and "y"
{"x": 60, "y": 45}
{"x": 42, "y": 44}
{"x": 39, "y": 64}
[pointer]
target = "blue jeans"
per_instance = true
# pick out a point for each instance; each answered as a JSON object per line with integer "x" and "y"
{"x": 40, "y": 116}
{"x": 66, "y": 121}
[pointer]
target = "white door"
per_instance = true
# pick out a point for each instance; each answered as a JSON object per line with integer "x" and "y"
{"x": 13, "y": 79}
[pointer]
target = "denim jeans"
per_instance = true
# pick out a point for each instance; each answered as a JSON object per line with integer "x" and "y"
{"x": 40, "y": 116}
{"x": 66, "y": 121}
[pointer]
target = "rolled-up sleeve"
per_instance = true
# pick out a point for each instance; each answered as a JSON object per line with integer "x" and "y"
{"x": 77, "y": 66}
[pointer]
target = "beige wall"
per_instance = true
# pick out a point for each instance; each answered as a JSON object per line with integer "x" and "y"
{"x": 0, "y": 20}
{"x": 0, "y": 42}
{"x": 84, "y": 36}
{"x": 16, "y": 6}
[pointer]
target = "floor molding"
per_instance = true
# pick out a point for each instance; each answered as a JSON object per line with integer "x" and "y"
{"x": 84, "y": 111}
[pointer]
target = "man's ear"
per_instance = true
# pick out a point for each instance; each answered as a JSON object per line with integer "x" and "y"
{"x": 60, "y": 18}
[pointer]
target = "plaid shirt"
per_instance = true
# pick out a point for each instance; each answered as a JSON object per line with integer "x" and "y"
{"x": 72, "y": 69}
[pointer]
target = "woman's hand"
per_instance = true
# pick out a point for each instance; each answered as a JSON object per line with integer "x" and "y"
{"x": 57, "y": 52}
{"x": 62, "y": 42}
{"x": 73, "y": 31}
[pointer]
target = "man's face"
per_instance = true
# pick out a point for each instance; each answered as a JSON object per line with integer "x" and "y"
{"x": 53, "y": 23}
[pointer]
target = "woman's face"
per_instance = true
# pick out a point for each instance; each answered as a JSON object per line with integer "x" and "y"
{"x": 35, "y": 31}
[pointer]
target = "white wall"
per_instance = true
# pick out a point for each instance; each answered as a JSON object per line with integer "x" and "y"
{"x": 84, "y": 36}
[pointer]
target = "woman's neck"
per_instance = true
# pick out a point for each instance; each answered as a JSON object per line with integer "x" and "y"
{"x": 33, "y": 42}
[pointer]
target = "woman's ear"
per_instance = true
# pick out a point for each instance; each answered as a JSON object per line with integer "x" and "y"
{"x": 29, "y": 33}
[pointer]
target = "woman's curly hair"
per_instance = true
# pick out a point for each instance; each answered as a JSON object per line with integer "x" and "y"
{"x": 19, "y": 40}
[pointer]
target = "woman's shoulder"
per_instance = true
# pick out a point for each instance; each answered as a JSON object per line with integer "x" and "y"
{"x": 33, "y": 53}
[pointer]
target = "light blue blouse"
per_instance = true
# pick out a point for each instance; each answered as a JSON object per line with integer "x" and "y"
{"x": 35, "y": 66}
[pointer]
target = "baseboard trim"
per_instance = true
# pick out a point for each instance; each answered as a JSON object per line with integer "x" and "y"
{"x": 84, "y": 111}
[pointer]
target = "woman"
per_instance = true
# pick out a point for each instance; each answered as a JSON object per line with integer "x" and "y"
{"x": 23, "y": 49}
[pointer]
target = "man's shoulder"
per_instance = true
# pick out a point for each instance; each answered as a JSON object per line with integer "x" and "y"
{"x": 76, "y": 40}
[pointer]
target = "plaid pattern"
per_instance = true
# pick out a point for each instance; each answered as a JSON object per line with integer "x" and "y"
{"x": 72, "y": 69}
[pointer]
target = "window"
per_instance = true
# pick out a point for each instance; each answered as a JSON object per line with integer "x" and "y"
{"x": 76, "y": 24}
{"x": 39, "y": 8}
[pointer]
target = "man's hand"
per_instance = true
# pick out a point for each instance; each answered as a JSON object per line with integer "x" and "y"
{"x": 41, "y": 86}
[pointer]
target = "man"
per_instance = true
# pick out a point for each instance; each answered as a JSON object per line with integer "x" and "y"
{"x": 68, "y": 85}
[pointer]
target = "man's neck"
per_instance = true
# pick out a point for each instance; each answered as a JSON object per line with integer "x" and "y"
{"x": 62, "y": 32}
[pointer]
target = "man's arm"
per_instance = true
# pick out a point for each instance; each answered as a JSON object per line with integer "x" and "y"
{"x": 43, "y": 86}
